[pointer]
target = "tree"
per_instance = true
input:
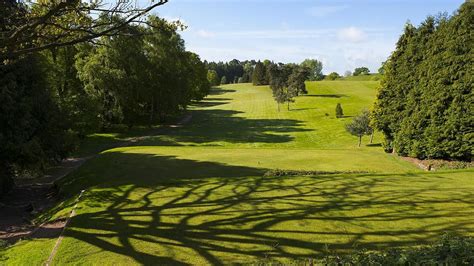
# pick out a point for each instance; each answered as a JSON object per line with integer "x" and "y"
{"x": 278, "y": 90}
{"x": 424, "y": 106}
{"x": 32, "y": 130}
{"x": 223, "y": 80}
{"x": 333, "y": 76}
{"x": 315, "y": 69}
{"x": 32, "y": 26}
{"x": 213, "y": 78}
{"x": 339, "y": 111}
{"x": 296, "y": 81}
{"x": 360, "y": 125}
{"x": 348, "y": 73}
{"x": 381, "y": 69}
{"x": 286, "y": 82}
{"x": 361, "y": 71}
{"x": 259, "y": 75}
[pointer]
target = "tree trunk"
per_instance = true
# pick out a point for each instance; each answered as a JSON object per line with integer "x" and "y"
{"x": 278, "y": 107}
{"x": 360, "y": 140}
{"x": 371, "y": 137}
{"x": 288, "y": 105}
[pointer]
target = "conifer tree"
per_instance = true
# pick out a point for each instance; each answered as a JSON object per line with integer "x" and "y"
{"x": 424, "y": 106}
{"x": 259, "y": 75}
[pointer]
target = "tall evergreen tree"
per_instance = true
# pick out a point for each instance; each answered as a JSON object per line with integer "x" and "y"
{"x": 259, "y": 74}
{"x": 424, "y": 107}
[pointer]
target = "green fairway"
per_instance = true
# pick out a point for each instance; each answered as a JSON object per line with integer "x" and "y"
{"x": 244, "y": 116}
{"x": 197, "y": 195}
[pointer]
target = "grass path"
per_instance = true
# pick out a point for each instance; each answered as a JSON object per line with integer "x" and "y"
{"x": 197, "y": 195}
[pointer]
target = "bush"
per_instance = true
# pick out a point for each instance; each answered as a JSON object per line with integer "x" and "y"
{"x": 333, "y": 76}
{"x": 339, "y": 111}
{"x": 281, "y": 172}
{"x": 449, "y": 250}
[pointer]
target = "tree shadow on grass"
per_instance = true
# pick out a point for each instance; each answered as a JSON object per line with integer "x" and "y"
{"x": 216, "y": 125}
{"x": 158, "y": 208}
{"x": 325, "y": 95}
{"x": 211, "y": 102}
{"x": 220, "y": 91}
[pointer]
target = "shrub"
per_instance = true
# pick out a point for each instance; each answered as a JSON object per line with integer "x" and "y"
{"x": 448, "y": 250}
{"x": 339, "y": 111}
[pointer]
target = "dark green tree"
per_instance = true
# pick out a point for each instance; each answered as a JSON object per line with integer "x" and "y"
{"x": 296, "y": 81}
{"x": 259, "y": 75}
{"x": 339, "y": 111}
{"x": 424, "y": 106}
{"x": 32, "y": 130}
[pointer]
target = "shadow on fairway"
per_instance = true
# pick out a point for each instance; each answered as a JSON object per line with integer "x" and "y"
{"x": 326, "y": 95}
{"x": 211, "y": 102}
{"x": 215, "y": 125}
{"x": 157, "y": 208}
{"x": 220, "y": 91}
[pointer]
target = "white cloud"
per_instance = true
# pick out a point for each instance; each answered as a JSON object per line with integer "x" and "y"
{"x": 205, "y": 34}
{"x": 352, "y": 34}
{"x": 323, "y": 11}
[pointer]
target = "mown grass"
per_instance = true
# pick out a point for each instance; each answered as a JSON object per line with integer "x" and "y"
{"x": 197, "y": 194}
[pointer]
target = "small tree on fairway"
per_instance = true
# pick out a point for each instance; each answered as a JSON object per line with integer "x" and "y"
{"x": 360, "y": 125}
{"x": 278, "y": 89}
{"x": 339, "y": 112}
{"x": 223, "y": 80}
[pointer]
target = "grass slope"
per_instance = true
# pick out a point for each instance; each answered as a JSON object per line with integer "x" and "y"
{"x": 196, "y": 194}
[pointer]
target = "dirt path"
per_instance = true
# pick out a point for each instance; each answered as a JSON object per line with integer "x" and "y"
{"x": 33, "y": 196}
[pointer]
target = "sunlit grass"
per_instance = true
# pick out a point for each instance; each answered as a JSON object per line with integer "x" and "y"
{"x": 197, "y": 194}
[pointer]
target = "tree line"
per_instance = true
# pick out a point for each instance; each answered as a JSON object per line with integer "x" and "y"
{"x": 424, "y": 106}
{"x": 140, "y": 74}
{"x": 256, "y": 72}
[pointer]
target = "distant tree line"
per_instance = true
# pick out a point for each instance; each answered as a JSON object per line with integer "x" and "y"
{"x": 256, "y": 72}
{"x": 425, "y": 105}
{"x": 49, "y": 98}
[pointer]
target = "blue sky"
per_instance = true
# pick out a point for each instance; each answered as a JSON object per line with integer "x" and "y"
{"x": 341, "y": 34}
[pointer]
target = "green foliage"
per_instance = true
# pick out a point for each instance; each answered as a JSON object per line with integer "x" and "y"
{"x": 32, "y": 130}
{"x": 333, "y": 76}
{"x": 424, "y": 107}
{"x": 143, "y": 79}
{"x": 361, "y": 71}
{"x": 213, "y": 78}
{"x": 360, "y": 125}
{"x": 259, "y": 75}
{"x": 296, "y": 81}
{"x": 231, "y": 69}
{"x": 287, "y": 81}
{"x": 281, "y": 172}
{"x": 339, "y": 111}
{"x": 223, "y": 80}
{"x": 315, "y": 69}
{"x": 448, "y": 250}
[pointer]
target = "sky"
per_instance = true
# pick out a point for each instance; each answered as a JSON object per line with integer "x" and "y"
{"x": 341, "y": 34}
